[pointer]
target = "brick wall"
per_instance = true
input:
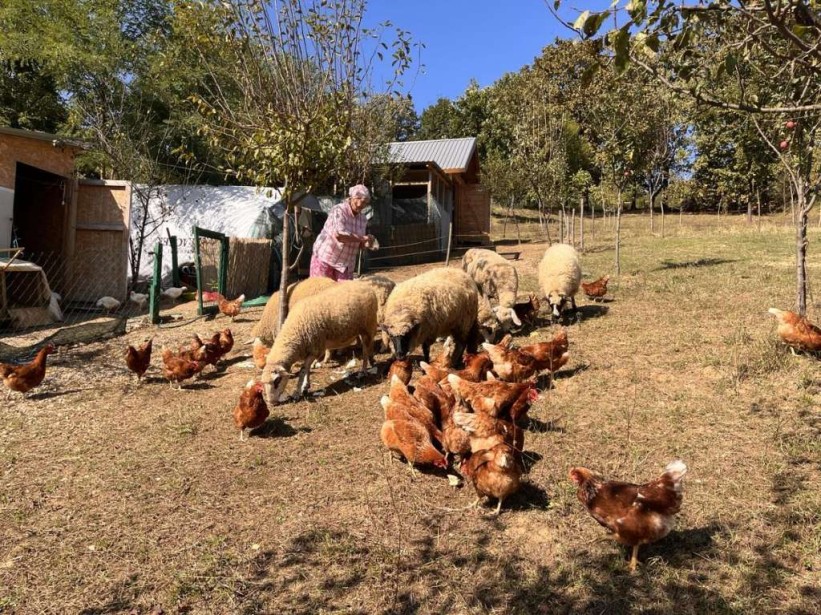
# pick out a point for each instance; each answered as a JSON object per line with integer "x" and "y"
{"x": 34, "y": 152}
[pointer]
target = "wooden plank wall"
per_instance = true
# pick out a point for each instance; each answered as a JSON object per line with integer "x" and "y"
{"x": 99, "y": 263}
{"x": 472, "y": 215}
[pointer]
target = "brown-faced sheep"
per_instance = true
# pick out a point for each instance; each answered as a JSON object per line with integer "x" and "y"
{"x": 267, "y": 327}
{"x": 439, "y": 302}
{"x": 327, "y": 320}
{"x": 498, "y": 280}
{"x": 560, "y": 274}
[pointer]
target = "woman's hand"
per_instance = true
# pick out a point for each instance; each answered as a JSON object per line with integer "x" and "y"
{"x": 370, "y": 243}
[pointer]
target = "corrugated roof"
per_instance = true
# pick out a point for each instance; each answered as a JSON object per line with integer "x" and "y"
{"x": 448, "y": 154}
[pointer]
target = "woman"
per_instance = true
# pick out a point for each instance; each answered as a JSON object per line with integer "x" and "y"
{"x": 335, "y": 249}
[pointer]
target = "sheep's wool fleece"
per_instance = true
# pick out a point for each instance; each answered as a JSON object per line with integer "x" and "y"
{"x": 442, "y": 301}
{"x": 560, "y": 271}
{"x": 327, "y": 320}
{"x": 493, "y": 274}
{"x": 266, "y": 328}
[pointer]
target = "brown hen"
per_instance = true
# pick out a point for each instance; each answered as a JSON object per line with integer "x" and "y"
{"x": 251, "y": 411}
{"x": 635, "y": 514}
{"x": 138, "y": 359}
{"x": 24, "y": 378}
{"x": 796, "y": 331}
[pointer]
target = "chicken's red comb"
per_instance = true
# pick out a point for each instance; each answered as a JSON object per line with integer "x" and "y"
{"x": 532, "y": 394}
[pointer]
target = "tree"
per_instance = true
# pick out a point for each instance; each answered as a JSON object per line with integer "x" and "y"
{"x": 289, "y": 111}
{"x": 29, "y": 97}
{"x": 770, "y": 50}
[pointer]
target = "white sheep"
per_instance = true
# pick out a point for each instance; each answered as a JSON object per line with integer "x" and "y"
{"x": 497, "y": 279}
{"x": 383, "y": 287}
{"x": 487, "y": 320}
{"x": 439, "y": 302}
{"x": 268, "y": 325}
{"x": 325, "y": 321}
{"x": 560, "y": 273}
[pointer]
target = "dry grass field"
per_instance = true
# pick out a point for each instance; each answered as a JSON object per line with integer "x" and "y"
{"x": 119, "y": 498}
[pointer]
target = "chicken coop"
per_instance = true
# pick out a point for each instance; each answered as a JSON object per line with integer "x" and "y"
{"x": 75, "y": 231}
{"x": 434, "y": 195}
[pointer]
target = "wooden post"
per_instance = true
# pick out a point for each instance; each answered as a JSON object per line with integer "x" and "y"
{"x": 156, "y": 286}
{"x": 573, "y": 227}
{"x": 222, "y": 279}
{"x": 198, "y": 267}
{"x": 450, "y": 240}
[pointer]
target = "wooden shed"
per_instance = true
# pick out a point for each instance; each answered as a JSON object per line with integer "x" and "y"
{"x": 76, "y": 230}
{"x": 443, "y": 174}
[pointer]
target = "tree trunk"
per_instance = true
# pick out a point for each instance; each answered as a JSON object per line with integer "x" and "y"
{"x": 573, "y": 227}
{"x": 758, "y": 198}
{"x": 581, "y": 222}
{"x": 561, "y": 225}
{"x": 801, "y": 223}
{"x": 750, "y": 202}
{"x": 652, "y": 207}
{"x": 618, "y": 235}
{"x": 286, "y": 249}
{"x": 662, "y": 216}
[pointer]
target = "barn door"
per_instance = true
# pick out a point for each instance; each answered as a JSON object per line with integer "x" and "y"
{"x": 98, "y": 254}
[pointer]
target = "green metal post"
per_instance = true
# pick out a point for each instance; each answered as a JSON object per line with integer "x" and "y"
{"x": 156, "y": 286}
{"x": 175, "y": 270}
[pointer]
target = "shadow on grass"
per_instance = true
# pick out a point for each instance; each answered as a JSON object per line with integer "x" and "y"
{"x": 701, "y": 262}
{"x": 277, "y": 428}
{"x": 590, "y": 310}
{"x": 428, "y": 563}
{"x": 537, "y": 426}
{"x": 55, "y": 394}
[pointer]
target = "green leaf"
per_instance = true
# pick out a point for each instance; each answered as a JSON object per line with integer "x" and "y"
{"x": 730, "y": 63}
{"x": 621, "y": 45}
{"x": 580, "y": 20}
{"x": 594, "y": 23}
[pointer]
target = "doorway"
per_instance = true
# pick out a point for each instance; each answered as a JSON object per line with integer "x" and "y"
{"x": 39, "y": 210}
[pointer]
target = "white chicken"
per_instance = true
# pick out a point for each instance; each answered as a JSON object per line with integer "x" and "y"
{"x": 174, "y": 292}
{"x": 141, "y": 299}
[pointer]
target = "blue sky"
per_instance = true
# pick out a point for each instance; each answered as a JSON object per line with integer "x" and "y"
{"x": 466, "y": 39}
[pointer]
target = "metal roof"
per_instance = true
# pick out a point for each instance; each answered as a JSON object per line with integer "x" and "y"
{"x": 452, "y": 155}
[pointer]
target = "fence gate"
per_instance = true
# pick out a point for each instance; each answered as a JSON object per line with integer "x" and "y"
{"x": 211, "y": 261}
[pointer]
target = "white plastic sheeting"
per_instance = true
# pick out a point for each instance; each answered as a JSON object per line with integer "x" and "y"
{"x": 236, "y": 211}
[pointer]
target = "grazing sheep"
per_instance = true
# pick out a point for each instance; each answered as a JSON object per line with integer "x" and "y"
{"x": 439, "y": 302}
{"x": 267, "y": 327}
{"x": 327, "y": 320}
{"x": 497, "y": 279}
{"x": 560, "y": 273}
{"x": 383, "y": 287}
{"x": 489, "y": 324}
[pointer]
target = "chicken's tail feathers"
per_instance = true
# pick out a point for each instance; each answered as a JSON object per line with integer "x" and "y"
{"x": 676, "y": 470}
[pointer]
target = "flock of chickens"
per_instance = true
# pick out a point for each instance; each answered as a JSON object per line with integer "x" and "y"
{"x": 466, "y": 417}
